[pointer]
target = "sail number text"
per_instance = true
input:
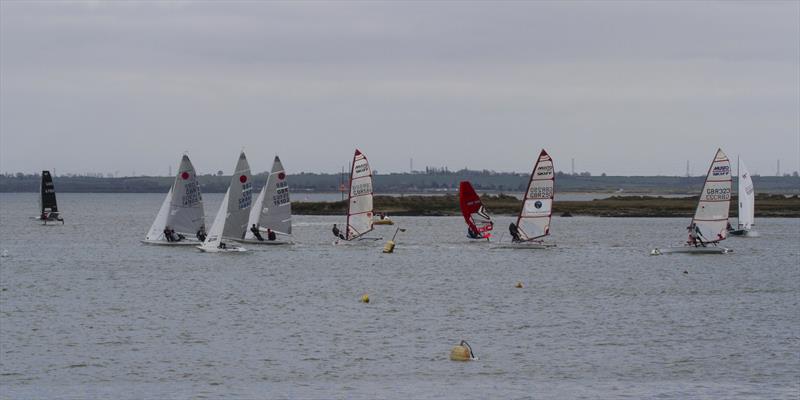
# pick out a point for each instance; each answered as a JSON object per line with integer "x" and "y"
{"x": 281, "y": 195}
{"x": 191, "y": 195}
{"x": 361, "y": 188}
{"x": 247, "y": 196}
{"x": 540, "y": 192}
{"x": 718, "y": 194}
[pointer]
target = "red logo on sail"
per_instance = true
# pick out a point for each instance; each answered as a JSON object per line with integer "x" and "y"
{"x": 185, "y": 175}
{"x": 281, "y": 176}
{"x": 243, "y": 178}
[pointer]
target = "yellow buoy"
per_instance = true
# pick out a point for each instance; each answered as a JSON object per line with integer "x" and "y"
{"x": 519, "y": 284}
{"x": 389, "y": 247}
{"x": 365, "y": 298}
{"x": 462, "y": 352}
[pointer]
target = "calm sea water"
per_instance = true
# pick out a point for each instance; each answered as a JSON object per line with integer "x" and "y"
{"x": 86, "y": 311}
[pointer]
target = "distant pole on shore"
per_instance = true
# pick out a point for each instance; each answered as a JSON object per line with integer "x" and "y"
{"x": 778, "y": 171}
{"x": 688, "y": 174}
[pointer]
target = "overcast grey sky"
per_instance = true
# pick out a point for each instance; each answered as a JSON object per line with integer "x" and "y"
{"x": 626, "y": 88}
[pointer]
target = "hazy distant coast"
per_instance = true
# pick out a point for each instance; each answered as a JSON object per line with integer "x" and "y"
{"x": 628, "y": 206}
{"x": 436, "y": 183}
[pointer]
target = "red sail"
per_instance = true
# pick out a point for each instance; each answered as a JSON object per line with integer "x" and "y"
{"x": 472, "y": 209}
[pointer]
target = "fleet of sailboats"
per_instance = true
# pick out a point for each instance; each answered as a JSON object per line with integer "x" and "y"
{"x": 181, "y": 218}
{"x": 709, "y": 225}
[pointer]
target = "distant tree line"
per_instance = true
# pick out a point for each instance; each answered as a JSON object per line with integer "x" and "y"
{"x": 445, "y": 182}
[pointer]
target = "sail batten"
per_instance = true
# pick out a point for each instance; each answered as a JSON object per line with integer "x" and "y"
{"x": 359, "y": 209}
{"x": 536, "y": 213}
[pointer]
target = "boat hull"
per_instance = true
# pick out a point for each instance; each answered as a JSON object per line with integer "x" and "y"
{"x": 266, "y": 242}
{"x": 182, "y": 243}
{"x": 691, "y": 250}
{"x": 743, "y": 233}
{"x": 218, "y": 250}
{"x": 386, "y": 221}
{"x": 525, "y": 245}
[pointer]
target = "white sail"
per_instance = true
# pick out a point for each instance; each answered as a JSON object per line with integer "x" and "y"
{"x": 215, "y": 233}
{"x": 241, "y": 198}
{"x": 273, "y": 208}
{"x": 711, "y": 216}
{"x": 186, "y": 213}
{"x": 156, "y": 232}
{"x": 359, "y": 211}
{"x": 746, "y": 198}
{"x": 537, "y": 208}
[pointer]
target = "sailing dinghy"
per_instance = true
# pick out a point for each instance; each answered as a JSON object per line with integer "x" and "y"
{"x": 359, "y": 203}
{"x": 231, "y": 219}
{"x": 47, "y": 200}
{"x": 747, "y": 203}
{"x": 272, "y": 210}
{"x": 181, "y": 214}
{"x": 479, "y": 223}
{"x": 533, "y": 222}
{"x": 710, "y": 222}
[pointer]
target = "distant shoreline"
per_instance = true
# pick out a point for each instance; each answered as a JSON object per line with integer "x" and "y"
{"x": 777, "y": 206}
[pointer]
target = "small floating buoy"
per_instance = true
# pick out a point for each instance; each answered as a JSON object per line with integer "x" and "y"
{"x": 519, "y": 285}
{"x": 655, "y": 252}
{"x": 462, "y": 352}
{"x": 365, "y": 298}
{"x": 389, "y": 247}
{"x": 685, "y": 272}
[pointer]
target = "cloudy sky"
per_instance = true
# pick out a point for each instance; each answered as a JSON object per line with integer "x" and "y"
{"x": 626, "y": 88}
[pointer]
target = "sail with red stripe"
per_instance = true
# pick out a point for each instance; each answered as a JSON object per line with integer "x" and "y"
{"x": 711, "y": 216}
{"x": 537, "y": 207}
{"x": 359, "y": 211}
{"x": 474, "y": 213}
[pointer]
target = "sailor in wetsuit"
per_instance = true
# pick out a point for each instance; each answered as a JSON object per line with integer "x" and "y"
{"x": 271, "y": 234}
{"x": 695, "y": 236}
{"x": 472, "y": 234}
{"x": 256, "y": 233}
{"x": 336, "y": 232}
{"x": 514, "y": 231}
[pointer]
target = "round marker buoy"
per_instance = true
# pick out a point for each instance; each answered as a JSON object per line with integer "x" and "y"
{"x": 519, "y": 285}
{"x": 365, "y": 298}
{"x": 462, "y": 352}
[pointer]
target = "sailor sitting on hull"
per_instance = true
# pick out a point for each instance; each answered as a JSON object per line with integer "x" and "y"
{"x": 695, "y": 236}
{"x": 336, "y": 232}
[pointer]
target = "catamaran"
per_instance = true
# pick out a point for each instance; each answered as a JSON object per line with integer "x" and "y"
{"x": 533, "y": 221}
{"x": 271, "y": 215}
{"x": 359, "y": 203}
{"x": 710, "y": 222}
{"x": 747, "y": 199}
{"x": 181, "y": 219}
{"x": 47, "y": 200}
{"x": 479, "y": 223}
{"x": 231, "y": 219}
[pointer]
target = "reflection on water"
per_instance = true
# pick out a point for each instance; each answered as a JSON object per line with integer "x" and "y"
{"x": 88, "y": 311}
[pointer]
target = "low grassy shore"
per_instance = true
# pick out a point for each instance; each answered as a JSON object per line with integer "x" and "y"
{"x": 618, "y": 206}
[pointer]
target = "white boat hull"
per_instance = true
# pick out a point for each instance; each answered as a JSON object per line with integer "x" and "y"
{"x": 524, "y": 245}
{"x": 229, "y": 249}
{"x": 743, "y": 233}
{"x": 691, "y": 250}
{"x": 276, "y": 242}
{"x": 176, "y": 244}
